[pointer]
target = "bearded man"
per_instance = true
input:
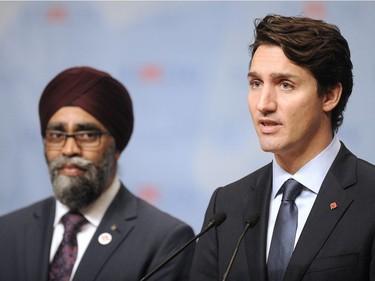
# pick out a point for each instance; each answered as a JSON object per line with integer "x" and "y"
{"x": 93, "y": 228}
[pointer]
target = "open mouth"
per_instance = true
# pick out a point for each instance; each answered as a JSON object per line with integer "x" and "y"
{"x": 268, "y": 126}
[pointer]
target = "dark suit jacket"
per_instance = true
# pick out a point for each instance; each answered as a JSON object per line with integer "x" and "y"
{"x": 336, "y": 244}
{"x": 145, "y": 236}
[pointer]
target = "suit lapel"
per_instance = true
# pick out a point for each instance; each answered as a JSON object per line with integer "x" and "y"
{"x": 255, "y": 239}
{"x": 37, "y": 241}
{"x": 118, "y": 221}
{"x": 324, "y": 217}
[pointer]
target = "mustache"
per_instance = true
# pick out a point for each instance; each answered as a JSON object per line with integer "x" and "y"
{"x": 62, "y": 161}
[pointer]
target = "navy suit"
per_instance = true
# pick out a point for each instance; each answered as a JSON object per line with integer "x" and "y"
{"x": 144, "y": 237}
{"x": 337, "y": 242}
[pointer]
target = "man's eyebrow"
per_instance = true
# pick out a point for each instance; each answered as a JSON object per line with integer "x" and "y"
{"x": 87, "y": 127}
{"x": 56, "y": 126}
{"x": 62, "y": 126}
{"x": 276, "y": 75}
{"x": 252, "y": 74}
{"x": 283, "y": 75}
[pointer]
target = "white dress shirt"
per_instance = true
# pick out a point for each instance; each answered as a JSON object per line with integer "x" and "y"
{"x": 311, "y": 175}
{"x": 93, "y": 214}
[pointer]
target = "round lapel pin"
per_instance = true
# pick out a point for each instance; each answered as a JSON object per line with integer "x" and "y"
{"x": 105, "y": 238}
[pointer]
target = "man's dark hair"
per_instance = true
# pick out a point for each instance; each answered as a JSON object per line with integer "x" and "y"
{"x": 314, "y": 45}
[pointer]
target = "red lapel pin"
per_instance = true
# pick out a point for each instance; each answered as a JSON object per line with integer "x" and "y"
{"x": 333, "y": 205}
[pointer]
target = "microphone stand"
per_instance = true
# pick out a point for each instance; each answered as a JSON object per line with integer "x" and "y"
{"x": 216, "y": 220}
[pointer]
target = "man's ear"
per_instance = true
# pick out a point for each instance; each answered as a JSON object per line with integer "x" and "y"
{"x": 332, "y": 97}
{"x": 117, "y": 154}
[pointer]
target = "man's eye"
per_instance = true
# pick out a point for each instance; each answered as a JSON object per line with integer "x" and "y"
{"x": 87, "y": 136}
{"x": 55, "y": 135}
{"x": 255, "y": 84}
{"x": 286, "y": 85}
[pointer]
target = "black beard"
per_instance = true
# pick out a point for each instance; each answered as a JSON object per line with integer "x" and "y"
{"x": 77, "y": 192}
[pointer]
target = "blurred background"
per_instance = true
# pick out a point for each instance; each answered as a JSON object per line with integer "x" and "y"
{"x": 185, "y": 66}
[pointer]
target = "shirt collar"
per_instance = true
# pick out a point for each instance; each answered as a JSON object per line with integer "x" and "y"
{"x": 94, "y": 212}
{"x": 312, "y": 174}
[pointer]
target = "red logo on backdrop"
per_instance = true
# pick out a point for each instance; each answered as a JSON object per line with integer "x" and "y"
{"x": 315, "y": 9}
{"x": 151, "y": 73}
{"x": 57, "y": 14}
{"x": 150, "y": 193}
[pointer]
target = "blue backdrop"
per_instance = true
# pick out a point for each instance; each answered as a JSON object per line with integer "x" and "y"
{"x": 185, "y": 66}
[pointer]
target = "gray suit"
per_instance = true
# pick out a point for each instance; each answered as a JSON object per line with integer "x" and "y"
{"x": 144, "y": 237}
{"x": 336, "y": 244}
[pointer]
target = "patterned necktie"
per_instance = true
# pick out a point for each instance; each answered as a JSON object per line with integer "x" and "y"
{"x": 284, "y": 233}
{"x": 63, "y": 261}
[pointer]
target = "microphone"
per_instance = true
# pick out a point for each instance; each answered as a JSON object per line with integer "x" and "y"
{"x": 251, "y": 221}
{"x": 216, "y": 220}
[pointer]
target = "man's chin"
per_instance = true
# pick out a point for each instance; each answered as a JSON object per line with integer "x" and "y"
{"x": 72, "y": 201}
{"x": 75, "y": 194}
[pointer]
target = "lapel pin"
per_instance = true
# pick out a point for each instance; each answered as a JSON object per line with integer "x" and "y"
{"x": 105, "y": 238}
{"x": 333, "y": 205}
{"x": 114, "y": 228}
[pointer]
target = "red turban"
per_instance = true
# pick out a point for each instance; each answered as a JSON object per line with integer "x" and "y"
{"x": 97, "y": 93}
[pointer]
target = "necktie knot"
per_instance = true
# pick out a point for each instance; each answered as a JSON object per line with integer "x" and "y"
{"x": 291, "y": 189}
{"x": 73, "y": 222}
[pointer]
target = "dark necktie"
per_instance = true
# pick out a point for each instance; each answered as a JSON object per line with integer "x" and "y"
{"x": 63, "y": 261}
{"x": 284, "y": 232}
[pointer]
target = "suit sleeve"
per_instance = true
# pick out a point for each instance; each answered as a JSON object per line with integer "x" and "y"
{"x": 177, "y": 269}
{"x": 372, "y": 262}
{"x": 205, "y": 261}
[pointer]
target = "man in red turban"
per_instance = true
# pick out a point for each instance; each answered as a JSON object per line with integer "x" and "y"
{"x": 93, "y": 228}
{"x": 95, "y": 92}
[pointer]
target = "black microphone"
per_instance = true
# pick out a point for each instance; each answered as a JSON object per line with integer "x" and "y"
{"x": 216, "y": 220}
{"x": 251, "y": 221}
